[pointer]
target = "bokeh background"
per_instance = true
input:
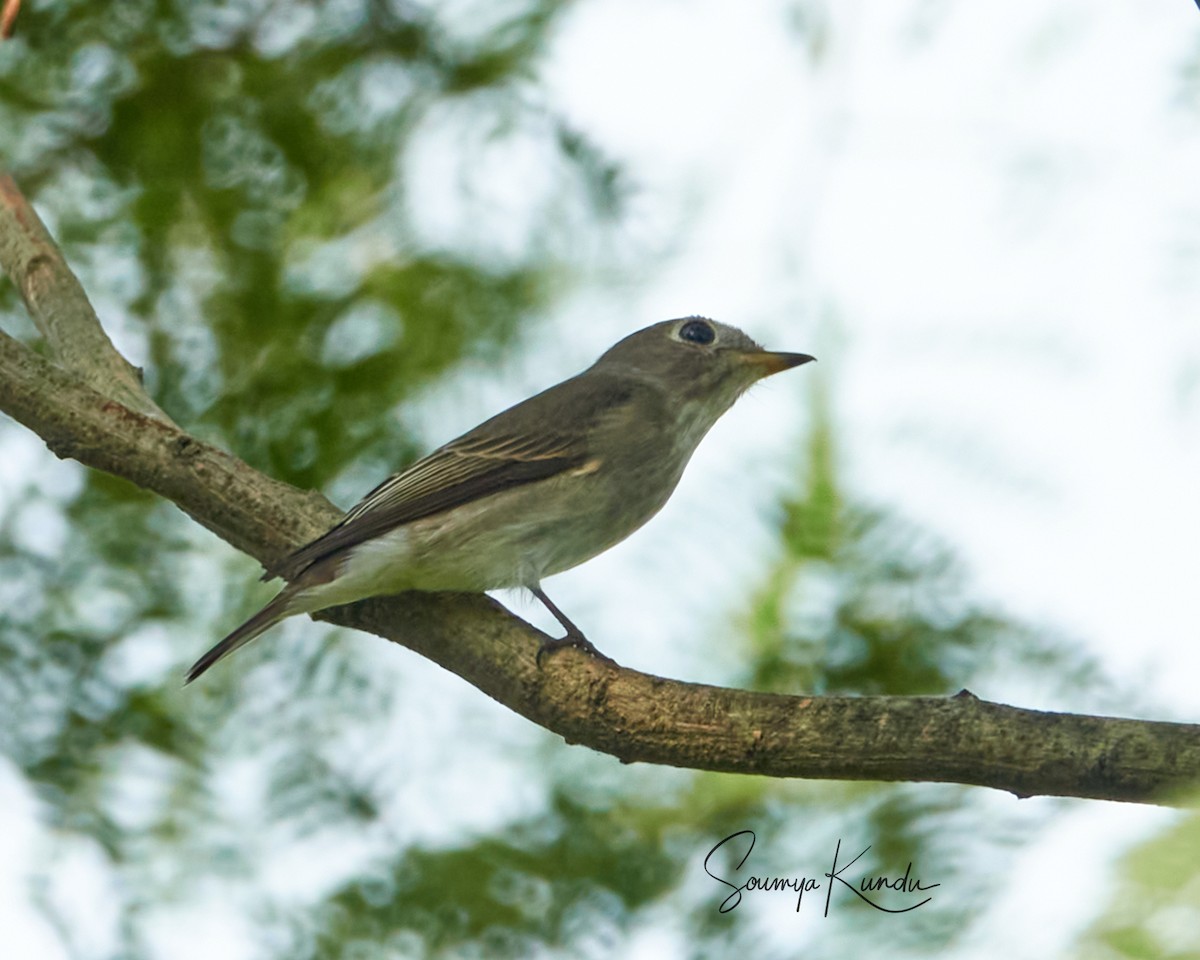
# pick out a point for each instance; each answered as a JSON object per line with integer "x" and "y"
{"x": 336, "y": 234}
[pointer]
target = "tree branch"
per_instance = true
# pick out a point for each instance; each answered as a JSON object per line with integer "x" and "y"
{"x": 631, "y": 715}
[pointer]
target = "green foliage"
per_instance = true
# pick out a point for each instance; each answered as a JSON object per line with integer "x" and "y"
{"x": 252, "y": 176}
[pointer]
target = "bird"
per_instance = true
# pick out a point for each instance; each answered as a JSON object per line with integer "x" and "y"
{"x": 537, "y": 489}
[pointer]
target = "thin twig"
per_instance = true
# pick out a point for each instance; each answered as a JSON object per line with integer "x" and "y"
{"x": 8, "y": 18}
{"x": 60, "y": 307}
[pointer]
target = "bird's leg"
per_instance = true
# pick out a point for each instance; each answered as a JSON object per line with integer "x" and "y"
{"x": 574, "y": 637}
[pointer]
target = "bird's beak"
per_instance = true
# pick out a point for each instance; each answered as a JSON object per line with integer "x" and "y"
{"x": 766, "y": 362}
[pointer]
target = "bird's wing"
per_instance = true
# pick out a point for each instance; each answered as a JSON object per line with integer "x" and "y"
{"x": 478, "y": 464}
{"x": 458, "y": 473}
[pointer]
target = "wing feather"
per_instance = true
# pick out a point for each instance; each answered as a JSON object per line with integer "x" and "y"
{"x": 478, "y": 464}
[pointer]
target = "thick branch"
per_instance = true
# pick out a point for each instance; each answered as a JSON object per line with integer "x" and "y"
{"x": 630, "y": 715}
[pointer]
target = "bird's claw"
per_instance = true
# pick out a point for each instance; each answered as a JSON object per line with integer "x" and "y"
{"x": 576, "y": 640}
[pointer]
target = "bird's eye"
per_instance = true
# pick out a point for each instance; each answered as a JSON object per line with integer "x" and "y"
{"x": 697, "y": 331}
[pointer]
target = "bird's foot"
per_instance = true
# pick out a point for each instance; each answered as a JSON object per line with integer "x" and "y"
{"x": 574, "y": 637}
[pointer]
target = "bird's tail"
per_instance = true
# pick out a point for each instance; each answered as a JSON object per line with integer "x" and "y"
{"x": 278, "y": 609}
